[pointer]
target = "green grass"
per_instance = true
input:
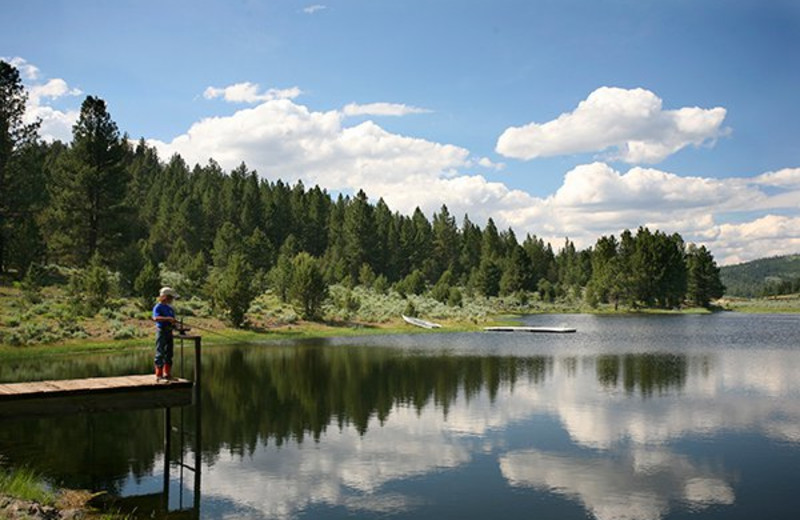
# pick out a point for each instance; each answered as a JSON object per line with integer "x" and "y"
{"x": 50, "y": 326}
{"x": 26, "y": 484}
{"x": 788, "y": 304}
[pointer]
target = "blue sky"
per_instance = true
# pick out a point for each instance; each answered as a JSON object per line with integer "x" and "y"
{"x": 558, "y": 118}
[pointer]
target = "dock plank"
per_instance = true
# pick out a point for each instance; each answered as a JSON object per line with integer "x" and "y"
{"x": 41, "y": 398}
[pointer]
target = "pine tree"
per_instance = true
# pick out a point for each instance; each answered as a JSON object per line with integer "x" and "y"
{"x": 359, "y": 234}
{"x": 488, "y": 276}
{"x": 308, "y": 289}
{"x": 147, "y": 284}
{"x": 88, "y": 191}
{"x": 231, "y": 289}
{"x": 445, "y": 243}
{"x": 280, "y": 276}
{"x": 704, "y": 283}
{"x": 470, "y": 251}
{"x": 605, "y": 267}
{"x": 227, "y": 243}
{"x": 513, "y": 279}
{"x": 335, "y": 265}
{"x": 386, "y": 246}
{"x": 16, "y": 137}
{"x": 422, "y": 244}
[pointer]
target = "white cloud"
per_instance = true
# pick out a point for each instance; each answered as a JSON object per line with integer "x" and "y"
{"x": 770, "y": 235}
{"x": 630, "y": 122}
{"x": 247, "y": 92}
{"x": 787, "y": 178}
{"x": 53, "y": 89}
{"x": 27, "y": 71}
{"x": 595, "y": 199}
{"x": 311, "y": 9}
{"x": 381, "y": 109}
{"x": 56, "y": 124}
{"x": 283, "y": 139}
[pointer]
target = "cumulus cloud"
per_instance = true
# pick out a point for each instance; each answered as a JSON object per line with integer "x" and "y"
{"x": 247, "y": 92}
{"x": 787, "y": 178}
{"x": 287, "y": 140}
{"x": 56, "y": 124}
{"x": 598, "y": 186}
{"x": 595, "y": 199}
{"x": 381, "y": 109}
{"x": 770, "y": 235}
{"x": 53, "y": 89}
{"x": 26, "y": 70}
{"x": 281, "y": 138}
{"x": 630, "y": 122}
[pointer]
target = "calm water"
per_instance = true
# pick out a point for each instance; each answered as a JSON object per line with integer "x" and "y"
{"x": 629, "y": 418}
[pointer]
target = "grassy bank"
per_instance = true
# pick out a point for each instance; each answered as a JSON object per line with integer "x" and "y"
{"x": 786, "y": 304}
{"x": 48, "y": 324}
{"x": 25, "y": 495}
{"x": 25, "y": 484}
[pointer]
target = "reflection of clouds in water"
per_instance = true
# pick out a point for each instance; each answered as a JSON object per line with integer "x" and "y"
{"x": 345, "y": 468}
{"x": 732, "y": 390}
{"x": 638, "y": 486}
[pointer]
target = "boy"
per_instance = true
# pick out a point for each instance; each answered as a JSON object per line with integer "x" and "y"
{"x": 164, "y": 316}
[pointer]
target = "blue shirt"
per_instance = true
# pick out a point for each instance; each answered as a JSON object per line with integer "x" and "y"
{"x": 162, "y": 310}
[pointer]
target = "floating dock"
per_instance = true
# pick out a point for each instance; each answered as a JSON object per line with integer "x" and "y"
{"x": 100, "y": 394}
{"x": 552, "y": 330}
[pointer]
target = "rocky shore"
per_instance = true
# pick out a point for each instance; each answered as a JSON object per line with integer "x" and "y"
{"x": 16, "y": 509}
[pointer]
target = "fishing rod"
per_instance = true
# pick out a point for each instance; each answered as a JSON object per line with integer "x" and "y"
{"x": 183, "y": 329}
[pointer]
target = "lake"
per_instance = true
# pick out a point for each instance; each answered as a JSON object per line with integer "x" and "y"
{"x": 631, "y": 417}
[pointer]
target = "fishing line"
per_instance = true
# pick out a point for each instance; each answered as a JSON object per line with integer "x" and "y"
{"x": 198, "y": 327}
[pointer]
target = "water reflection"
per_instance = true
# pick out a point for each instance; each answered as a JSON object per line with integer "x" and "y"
{"x": 637, "y": 485}
{"x": 329, "y": 430}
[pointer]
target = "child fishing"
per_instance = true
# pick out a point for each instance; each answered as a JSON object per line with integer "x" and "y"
{"x": 164, "y": 317}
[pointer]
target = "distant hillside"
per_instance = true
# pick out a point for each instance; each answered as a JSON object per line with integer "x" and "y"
{"x": 763, "y": 277}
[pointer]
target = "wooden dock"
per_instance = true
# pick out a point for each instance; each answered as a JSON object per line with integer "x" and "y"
{"x": 550, "y": 330}
{"x": 100, "y": 394}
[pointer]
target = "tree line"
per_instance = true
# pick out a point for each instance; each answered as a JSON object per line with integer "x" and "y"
{"x": 765, "y": 277}
{"x": 102, "y": 202}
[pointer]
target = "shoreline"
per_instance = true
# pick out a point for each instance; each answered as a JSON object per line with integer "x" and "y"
{"x": 223, "y": 335}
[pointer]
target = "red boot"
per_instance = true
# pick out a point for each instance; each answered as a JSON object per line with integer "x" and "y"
{"x": 167, "y": 371}
{"x": 159, "y": 372}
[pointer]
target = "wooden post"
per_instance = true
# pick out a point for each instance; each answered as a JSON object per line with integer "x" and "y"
{"x": 167, "y": 452}
{"x": 198, "y": 444}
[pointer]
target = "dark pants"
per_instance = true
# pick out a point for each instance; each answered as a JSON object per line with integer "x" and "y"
{"x": 165, "y": 345}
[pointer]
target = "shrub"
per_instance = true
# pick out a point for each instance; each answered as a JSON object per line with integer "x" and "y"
{"x": 96, "y": 284}
{"x": 231, "y": 290}
{"x": 308, "y": 288}
{"x": 147, "y": 284}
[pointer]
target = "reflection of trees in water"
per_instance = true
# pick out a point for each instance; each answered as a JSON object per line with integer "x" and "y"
{"x": 287, "y": 394}
{"x": 93, "y": 451}
{"x": 646, "y": 373}
{"x": 252, "y": 396}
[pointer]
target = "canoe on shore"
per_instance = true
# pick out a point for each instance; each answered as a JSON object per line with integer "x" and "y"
{"x": 553, "y": 330}
{"x": 420, "y": 323}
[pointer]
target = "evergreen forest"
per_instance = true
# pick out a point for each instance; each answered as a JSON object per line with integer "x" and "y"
{"x": 120, "y": 216}
{"x": 765, "y": 277}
